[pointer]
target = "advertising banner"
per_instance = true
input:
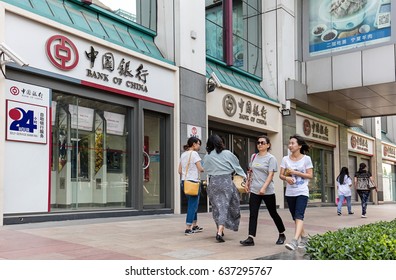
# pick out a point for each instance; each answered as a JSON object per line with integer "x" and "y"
{"x": 336, "y": 25}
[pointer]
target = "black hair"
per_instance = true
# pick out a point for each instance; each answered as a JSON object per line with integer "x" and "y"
{"x": 362, "y": 166}
{"x": 190, "y": 142}
{"x": 344, "y": 171}
{"x": 301, "y": 141}
{"x": 266, "y": 140}
{"x": 215, "y": 143}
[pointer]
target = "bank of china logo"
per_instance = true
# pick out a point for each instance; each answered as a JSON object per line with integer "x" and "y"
{"x": 229, "y": 105}
{"x": 62, "y": 52}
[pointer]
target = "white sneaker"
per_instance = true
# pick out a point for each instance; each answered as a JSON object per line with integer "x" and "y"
{"x": 292, "y": 245}
{"x": 364, "y": 216}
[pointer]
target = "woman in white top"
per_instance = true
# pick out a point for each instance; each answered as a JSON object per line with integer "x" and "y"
{"x": 297, "y": 169}
{"x": 192, "y": 158}
{"x": 344, "y": 183}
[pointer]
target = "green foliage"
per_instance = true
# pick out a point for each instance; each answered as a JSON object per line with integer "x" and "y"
{"x": 375, "y": 241}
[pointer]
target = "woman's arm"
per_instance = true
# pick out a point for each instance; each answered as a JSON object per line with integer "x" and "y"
{"x": 180, "y": 169}
{"x": 267, "y": 182}
{"x": 199, "y": 166}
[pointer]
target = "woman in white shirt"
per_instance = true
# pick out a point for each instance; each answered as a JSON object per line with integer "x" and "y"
{"x": 297, "y": 169}
{"x": 344, "y": 183}
{"x": 192, "y": 158}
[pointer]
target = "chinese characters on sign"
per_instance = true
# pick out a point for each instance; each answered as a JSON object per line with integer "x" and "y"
{"x": 359, "y": 143}
{"x": 316, "y": 129}
{"x": 389, "y": 152}
{"x": 248, "y": 110}
{"x": 26, "y": 122}
{"x": 133, "y": 76}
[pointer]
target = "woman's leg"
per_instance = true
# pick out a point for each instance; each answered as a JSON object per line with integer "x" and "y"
{"x": 270, "y": 202}
{"x": 339, "y": 205}
{"x": 349, "y": 204}
{"x": 254, "y": 206}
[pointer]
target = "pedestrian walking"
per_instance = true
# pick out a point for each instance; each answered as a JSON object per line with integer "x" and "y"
{"x": 260, "y": 184}
{"x": 220, "y": 164}
{"x": 344, "y": 184}
{"x": 189, "y": 168}
{"x": 362, "y": 186}
{"x": 296, "y": 170}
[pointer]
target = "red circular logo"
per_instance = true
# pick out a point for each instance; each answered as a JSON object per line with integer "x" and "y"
{"x": 307, "y": 127}
{"x": 14, "y": 90}
{"x": 62, "y": 52}
{"x": 353, "y": 141}
{"x": 194, "y": 130}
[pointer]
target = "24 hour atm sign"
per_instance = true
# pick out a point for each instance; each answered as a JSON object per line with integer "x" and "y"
{"x": 26, "y": 122}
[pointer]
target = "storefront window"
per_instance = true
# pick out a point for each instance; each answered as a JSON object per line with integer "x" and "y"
{"x": 321, "y": 187}
{"x": 246, "y": 34}
{"x": 89, "y": 160}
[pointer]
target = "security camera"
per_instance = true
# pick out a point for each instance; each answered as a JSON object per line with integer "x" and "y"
{"x": 213, "y": 82}
{"x": 12, "y": 56}
{"x": 215, "y": 79}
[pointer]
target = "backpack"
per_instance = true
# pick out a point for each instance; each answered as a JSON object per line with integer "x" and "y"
{"x": 362, "y": 183}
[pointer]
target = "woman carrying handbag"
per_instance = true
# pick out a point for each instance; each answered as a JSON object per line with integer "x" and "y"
{"x": 189, "y": 169}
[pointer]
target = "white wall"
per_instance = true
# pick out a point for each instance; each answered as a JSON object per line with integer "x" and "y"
{"x": 190, "y": 22}
{"x": 356, "y": 69}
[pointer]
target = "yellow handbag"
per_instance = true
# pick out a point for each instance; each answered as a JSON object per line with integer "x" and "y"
{"x": 190, "y": 187}
{"x": 239, "y": 183}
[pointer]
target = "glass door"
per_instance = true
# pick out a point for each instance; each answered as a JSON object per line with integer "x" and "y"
{"x": 153, "y": 169}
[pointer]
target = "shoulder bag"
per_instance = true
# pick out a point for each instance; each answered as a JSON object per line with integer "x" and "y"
{"x": 190, "y": 187}
{"x": 363, "y": 184}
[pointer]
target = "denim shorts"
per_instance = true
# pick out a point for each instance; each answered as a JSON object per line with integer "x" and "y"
{"x": 297, "y": 206}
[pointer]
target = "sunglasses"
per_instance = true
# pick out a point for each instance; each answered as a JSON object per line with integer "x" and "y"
{"x": 261, "y": 143}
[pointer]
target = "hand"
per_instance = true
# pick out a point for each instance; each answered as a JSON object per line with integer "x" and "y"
{"x": 290, "y": 180}
{"x": 262, "y": 191}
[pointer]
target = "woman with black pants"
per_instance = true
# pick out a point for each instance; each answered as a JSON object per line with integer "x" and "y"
{"x": 263, "y": 166}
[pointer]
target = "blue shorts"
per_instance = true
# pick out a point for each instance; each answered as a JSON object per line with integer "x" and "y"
{"x": 297, "y": 206}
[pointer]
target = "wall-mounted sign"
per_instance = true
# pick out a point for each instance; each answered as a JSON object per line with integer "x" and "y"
{"x": 360, "y": 144}
{"x": 26, "y": 107}
{"x": 316, "y": 129}
{"x": 194, "y": 131}
{"x": 244, "y": 110}
{"x": 388, "y": 152}
{"x": 341, "y": 25}
{"x": 93, "y": 63}
{"x": 26, "y": 122}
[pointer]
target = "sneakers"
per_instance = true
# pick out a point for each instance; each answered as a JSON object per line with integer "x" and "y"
{"x": 292, "y": 245}
{"x": 351, "y": 213}
{"x": 281, "y": 239}
{"x": 364, "y": 216}
{"x": 188, "y": 232}
{"x": 303, "y": 242}
{"x": 338, "y": 213}
{"x": 196, "y": 229}
{"x": 247, "y": 242}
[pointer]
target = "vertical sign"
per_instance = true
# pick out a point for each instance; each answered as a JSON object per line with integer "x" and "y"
{"x": 27, "y": 149}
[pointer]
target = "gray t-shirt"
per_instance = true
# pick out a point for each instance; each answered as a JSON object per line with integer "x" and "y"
{"x": 261, "y": 166}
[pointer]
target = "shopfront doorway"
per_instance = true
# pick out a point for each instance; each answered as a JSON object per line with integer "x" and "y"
{"x": 322, "y": 186}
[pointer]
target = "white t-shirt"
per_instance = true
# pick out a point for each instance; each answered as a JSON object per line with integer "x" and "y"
{"x": 192, "y": 173}
{"x": 345, "y": 188}
{"x": 300, "y": 187}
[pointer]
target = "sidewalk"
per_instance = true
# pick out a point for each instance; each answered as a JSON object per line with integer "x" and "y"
{"x": 161, "y": 237}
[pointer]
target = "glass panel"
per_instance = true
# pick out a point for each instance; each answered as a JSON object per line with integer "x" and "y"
{"x": 89, "y": 145}
{"x": 143, "y": 12}
{"x": 328, "y": 177}
{"x": 214, "y": 32}
{"x": 315, "y": 185}
{"x": 152, "y": 167}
